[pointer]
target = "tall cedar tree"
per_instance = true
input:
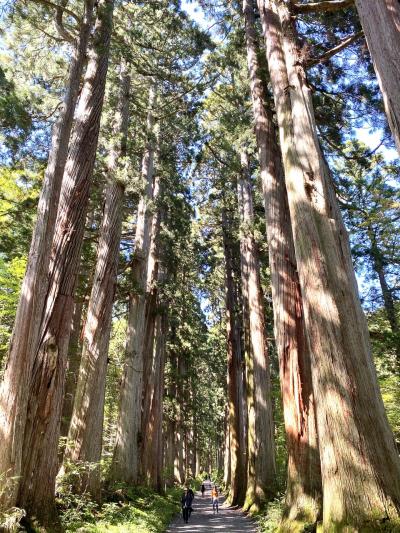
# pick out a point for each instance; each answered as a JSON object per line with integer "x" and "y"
{"x": 26, "y": 333}
{"x": 261, "y": 469}
{"x": 154, "y": 357}
{"x": 125, "y": 466}
{"x": 39, "y": 457}
{"x": 86, "y": 431}
{"x": 355, "y": 441}
{"x": 237, "y": 490}
{"x": 303, "y": 497}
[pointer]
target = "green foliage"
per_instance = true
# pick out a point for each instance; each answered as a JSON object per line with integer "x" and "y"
{"x": 19, "y": 191}
{"x": 280, "y": 436}
{"x": 136, "y": 510}
{"x": 10, "y": 520}
{"x": 15, "y": 121}
{"x": 390, "y": 388}
{"x": 11, "y": 275}
{"x": 269, "y": 520}
{"x": 369, "y": 193}
{"x": 384, "y": 346}
{"x": 114, "y": 376}
{"x": 18, "y": 200}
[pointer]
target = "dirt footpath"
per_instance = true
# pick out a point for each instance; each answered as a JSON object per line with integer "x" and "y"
{"x": 204, "y": 520}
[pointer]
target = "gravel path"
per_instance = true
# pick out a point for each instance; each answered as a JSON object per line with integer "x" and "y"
{"x": 203, "y": 520}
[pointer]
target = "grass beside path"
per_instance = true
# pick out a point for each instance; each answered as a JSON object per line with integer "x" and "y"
{"x": 133, "y": 510}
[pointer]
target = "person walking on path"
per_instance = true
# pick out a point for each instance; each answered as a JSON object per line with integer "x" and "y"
{"x": 203, "y": 489}
{"x": 228, "y": 519}
{"x": 186, "y": 504}
{"x": 214, "y": 497}
{"x": 191, "y": 494}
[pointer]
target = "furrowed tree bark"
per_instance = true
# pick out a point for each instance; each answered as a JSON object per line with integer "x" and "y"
{"x": 127, "y": 448}
{"x": 261, "y": 472}
{"x": 304, "y": 490}
{"x": 237, "y": 490}
{"x": 180, "y": 449}
{"x": 39, "y": 463}
{"x": 170, "y": 450}
{"x": 381, "y": 25}
{"x": 359, "y": 463}
{"x": 72, "y": 372}
{"x": 150, "y": 378}
{"x": 15, "y": 385}
{"x": 161, "y": 347}
{"x": 152, "y": 465}
{"x": 221, "y": 446}
{"x": 187, "y": 398}
{"x": 151, "y": 298}
{"x": 194, "y": 466}
{"x": 85, "y": 434}
{"x": 82, "y": 294}
{"x": 227, "y": 455}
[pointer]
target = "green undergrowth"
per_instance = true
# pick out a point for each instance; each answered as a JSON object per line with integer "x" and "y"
{"x": 270, "y": 517}
{"x": 270, "y": 521}
{"x": 136, "y": 510}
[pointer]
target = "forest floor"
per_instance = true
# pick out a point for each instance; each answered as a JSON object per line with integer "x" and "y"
{"x": 133, "y": 510}
{"x": 204, "y": 520}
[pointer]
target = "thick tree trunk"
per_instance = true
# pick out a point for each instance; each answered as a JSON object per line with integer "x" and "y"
{"x": 379, "y": 267}
{"x": 39, "y": 464}
{"x": 359, "y": 464}
{"x": 151, "y": 308}
{"x": 194, "y": 446}
{"x": 85, "y": 435}
{"x": 25, "y": 338}
{"x": 235, "y": 392}
{"x": 179, "y": 462}
{"x": 161, "y": 346}
{"x": 125, "y": 463}
{"x": 227, "y": 455}
{"x": 221, "y": 450}
{"x": 149, "y": 445}
{"x": 170, "y": 450}
{"x": 152, "y": 466}
{"x": 198, "y": 458}
{"x": 72, "y": 372}
{"x": 381, "y": 25}
{"x": 180, "y": 440}
{"x": 261, "y": 472}
{"x": 304, "y": 490}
